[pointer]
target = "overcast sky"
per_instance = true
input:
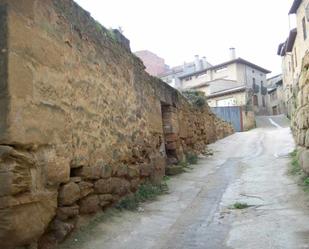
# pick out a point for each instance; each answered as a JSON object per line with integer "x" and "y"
{"x": 176, "y": 30}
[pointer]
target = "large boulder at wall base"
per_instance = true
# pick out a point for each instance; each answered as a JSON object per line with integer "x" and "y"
{"x": 69, "y": 194}
{"x": 304, "y": 160}
{"x": 25, "y": 219}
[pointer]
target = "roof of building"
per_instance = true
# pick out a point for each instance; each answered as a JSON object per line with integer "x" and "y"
{"x": 218, "y": 84}
{"x": 190, "y": 66}
{"x": 275, "y": 78}
{"x": 176, "y": 69}
{"x": 281, "y": 49}
{"x": 295, "y": 6}
{"x": 221, "y": 87}
{"x": 291, "y": 40}
{"x": 274, "y": 82}
{"x": 238, "y": 60}
{"x": 227, "y": 91}
{"x": 288, "y": 45}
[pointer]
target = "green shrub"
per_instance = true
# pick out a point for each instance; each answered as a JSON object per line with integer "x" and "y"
{"x": 191, "y": 158}
{"x": 144, "y": 193}
{"x": 295, "y": 169}
{"x": 196, "y": 98}
{"x": 240, "y": 205}
{"x": 306, "y": 181}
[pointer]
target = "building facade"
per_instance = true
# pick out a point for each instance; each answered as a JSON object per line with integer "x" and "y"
{"x": 275, "y": 96}
{"x": 228, "y": 76}
{"x": 293, "y": 51}
{"x": 173, "y": 75}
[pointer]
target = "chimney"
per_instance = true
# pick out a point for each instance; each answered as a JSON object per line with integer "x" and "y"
{"x": 232, "y": 53}
{"x": 197, "y": 63}
{"x": 204, "y": 62}
{"x": 184, "y": 66}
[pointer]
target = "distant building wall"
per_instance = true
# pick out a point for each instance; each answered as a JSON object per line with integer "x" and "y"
{"x": 251, "y": 77}
{"x": 154, "y": 64}
{"x": 248, "y": 119}
{"x": 239, "y": 99}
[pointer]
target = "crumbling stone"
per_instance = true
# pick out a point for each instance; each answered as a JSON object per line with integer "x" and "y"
{"x": 106, "y": 171}
{"x": 86, "y": 188}
{"x": 89, "y": 173}
{"x": 68, "y": 194}
{"x": 120, "y": 186}
{"x": 64, "y": 213}
{"x": 103, "y": 186}
{"x": 120, "y": 170}
{"x": 61, "y": 229}
{"x": 89, "y": 204}
{"x": 300, "y": 119}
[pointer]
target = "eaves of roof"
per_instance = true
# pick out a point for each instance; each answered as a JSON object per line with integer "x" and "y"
{"x": 227, "y": 92}
{"x": 238, "y": 60}
{"x": 295, "y": 6}
{"x": 291, "y": 40}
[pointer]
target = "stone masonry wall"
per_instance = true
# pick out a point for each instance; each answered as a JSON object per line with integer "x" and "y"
{"x": 300, "y": 119}
{"x": 82, "y": 124}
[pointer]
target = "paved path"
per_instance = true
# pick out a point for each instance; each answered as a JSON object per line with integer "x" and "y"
{"x": 247, "y": 167}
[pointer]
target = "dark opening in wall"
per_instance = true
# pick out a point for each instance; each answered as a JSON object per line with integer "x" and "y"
{"x": 170, "y": 129}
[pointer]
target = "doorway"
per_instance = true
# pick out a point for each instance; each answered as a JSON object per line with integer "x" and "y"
{"x": 170, "y": 131}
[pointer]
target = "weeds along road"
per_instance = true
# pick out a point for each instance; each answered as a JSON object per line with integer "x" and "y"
{"x": 249, "y": 168}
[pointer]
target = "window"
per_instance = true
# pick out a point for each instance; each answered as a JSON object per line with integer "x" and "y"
{"x": 304, "y": 28}
{"x": 264, "y": 103}
{"x": 253, "y": 71}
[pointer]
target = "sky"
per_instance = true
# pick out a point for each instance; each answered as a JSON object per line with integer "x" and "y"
{"x": 176, "y": 30}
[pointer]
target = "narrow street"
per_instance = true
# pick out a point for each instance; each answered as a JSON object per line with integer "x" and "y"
{"x": 249, "y": 167}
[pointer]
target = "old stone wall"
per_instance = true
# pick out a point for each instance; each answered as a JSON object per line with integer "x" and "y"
{"x": 82, "y": 124}
{"x": 300, "y": 119}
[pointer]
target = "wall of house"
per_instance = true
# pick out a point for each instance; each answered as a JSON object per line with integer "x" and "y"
{"x": 248, "y": 119}
{"x": 227, "y": 72}
{"x": 301, "y": 45}
{"x": 260, "y": 79}
{"x": 300, "y": 118}
{"x": 289, "y": 83}
{"x": 292, "y": 62}
{"x": 236, "y": 71}
{"x": 239, "y": 97}
{"x": 276, "y": 99}
{"x": 81, "y": 122}
{"x": 154, "y": 64}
